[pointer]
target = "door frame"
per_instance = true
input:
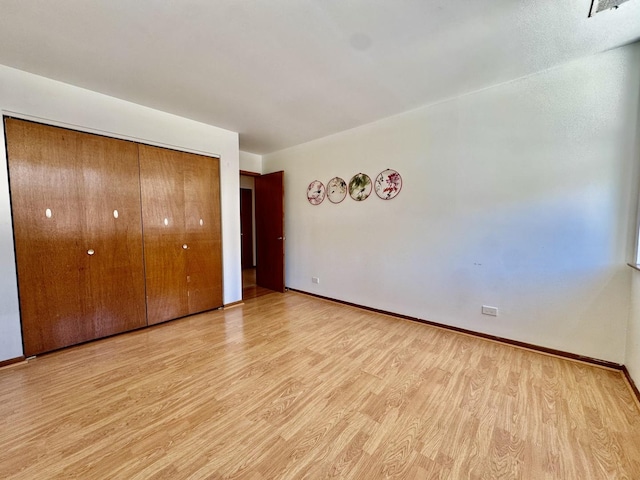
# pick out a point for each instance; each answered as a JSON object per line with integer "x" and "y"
{"x": 247, "y": 222}
{"x": 257, "y": 238}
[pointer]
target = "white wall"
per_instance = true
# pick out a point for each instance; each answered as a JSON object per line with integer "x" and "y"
{"x": 522, "y": 196}
{"x": 250, "y": 162}
{"x": 38, "y": 98}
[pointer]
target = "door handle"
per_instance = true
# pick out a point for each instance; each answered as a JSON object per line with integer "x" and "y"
{"x": 280, "y": 238}
{"x": 185, "y": 246}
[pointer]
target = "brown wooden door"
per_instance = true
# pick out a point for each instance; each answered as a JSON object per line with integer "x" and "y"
{"x": 246, "y": 227}
{"x": 162, "y": 188}
{"x": 182, "y": 233}
{"x": 203, "y": 228}
{"x": 78, "y": 239}
{"x": 269, "y": 191}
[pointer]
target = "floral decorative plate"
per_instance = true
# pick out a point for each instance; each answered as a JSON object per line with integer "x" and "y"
{"x": 316, "y": 192}
{"x": 388, "y": 184}
{"x": 360, "y": 187}
{"x": 336, "y": 190}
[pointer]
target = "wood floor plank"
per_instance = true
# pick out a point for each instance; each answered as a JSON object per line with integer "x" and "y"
{"x": 287, "y": 386}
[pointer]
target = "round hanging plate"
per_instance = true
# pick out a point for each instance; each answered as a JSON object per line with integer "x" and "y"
{"x": 336, "y": 190}
{"x": 315, "y": 192}
{"x": 388, "y": 184}
{"x": 360, "y": 187}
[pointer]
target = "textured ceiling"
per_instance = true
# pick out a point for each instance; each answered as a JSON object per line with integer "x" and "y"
{"x": 283, "y": 72}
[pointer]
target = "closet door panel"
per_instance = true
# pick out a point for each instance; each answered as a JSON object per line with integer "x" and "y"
{"x": 113, "y": 232}
{"x": 203, "y": 227}
{"x": 162, "y": 187}
{"x": 165, "y": 279}
{"x": 181, "y": 218}
{"x": 63, "y": 188}
{"x": 203, "y": 280}
{"x": 45, "y": 186}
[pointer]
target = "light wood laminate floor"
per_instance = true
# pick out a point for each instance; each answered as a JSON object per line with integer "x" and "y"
{"x": 290, "y": 386}
{"x": 250, "y": 288}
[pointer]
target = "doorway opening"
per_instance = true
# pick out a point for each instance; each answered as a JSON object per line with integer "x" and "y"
{"x": 262, "y": 233}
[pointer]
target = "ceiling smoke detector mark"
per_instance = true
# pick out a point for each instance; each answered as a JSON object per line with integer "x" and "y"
{"x": 598, "y": 6}
{"x": 360, "y": 41}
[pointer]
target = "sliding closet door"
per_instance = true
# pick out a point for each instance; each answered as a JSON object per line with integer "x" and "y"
{"x": 181, "y": 218}
{"x": 77, "y": 226}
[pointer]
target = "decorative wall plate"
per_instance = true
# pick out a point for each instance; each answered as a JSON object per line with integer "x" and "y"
{"x": 316, "y": 192}
{"x": 388, "y": 184}
{"x": 360, "y": 187}
{"x": 336, "y": 190}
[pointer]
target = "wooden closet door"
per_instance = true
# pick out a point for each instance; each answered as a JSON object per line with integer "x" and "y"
{"x": 182, "y": 240}
{"x": 162, "y": 188}
{"x": 202, "y": 221}
{"x": 80, "y": 271}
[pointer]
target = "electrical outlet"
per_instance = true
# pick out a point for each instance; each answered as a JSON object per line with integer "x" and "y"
{"x": 487, "y": 310}
{"x": 315, "y": 280}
